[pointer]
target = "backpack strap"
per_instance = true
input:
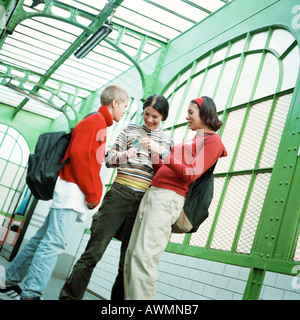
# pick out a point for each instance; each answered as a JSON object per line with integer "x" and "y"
{"x": 210, "y": 170}
{"x": 91, "y": 114}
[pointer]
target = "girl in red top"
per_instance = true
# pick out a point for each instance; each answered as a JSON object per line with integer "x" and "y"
{"x": 163, "y": 202}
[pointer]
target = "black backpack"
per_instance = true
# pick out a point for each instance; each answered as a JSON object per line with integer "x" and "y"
{"x": 45, "y": 163}
{"x": 197, "y": 202}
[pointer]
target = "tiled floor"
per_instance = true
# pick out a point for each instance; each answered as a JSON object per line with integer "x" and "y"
{"x": 53, "y": 288}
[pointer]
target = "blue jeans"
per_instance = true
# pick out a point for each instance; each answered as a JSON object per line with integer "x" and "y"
{"x": 39, "y": 256}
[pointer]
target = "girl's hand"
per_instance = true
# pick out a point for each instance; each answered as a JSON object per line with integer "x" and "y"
{"x": 131, "y": 153}
{"x": 128, "y": 154}
{"x": 151, "y": 146}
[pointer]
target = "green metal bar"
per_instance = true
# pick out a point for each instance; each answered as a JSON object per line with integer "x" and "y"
{"x": 238, "y": 73}
{"x": 239, "y": 259}
{"x": 205, "y": 73}
{"x": 254, "y": 284}
{"x": 173, "y": 93}
{"x": 217, "y": 213}
{"x": 7, "y": 160}
{"x": 197, "y": 6}
{"x": 289, "y": 49}
{"x": 21, "y": 15}
{"x": 244, "y": 172}
{"x": 9, "y": 7}
{"x": 138, "y": 67}
{"x": 290, "y": 226}
{"x": 273, "y": 212}
{"x": 122, "y": 30}
{"x": 227, "y": 181}
{"x": 101, "y": 18}
{"x": 12, "y": 21}
{"x": 152, "y": 79}
{"x": 243, "y": 214}
{"x": 286, "y": 195}
{"x": 170, "y": 11}
{"x": 260, "y": 68}
{"x": 253, "y": 178}
{"x": 181, "y": 104}
{"x": 221, "y": 71}
{"x": 137, "y": 57}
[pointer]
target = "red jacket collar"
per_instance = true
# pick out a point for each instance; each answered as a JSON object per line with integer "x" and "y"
{"x": 107, "y": 115}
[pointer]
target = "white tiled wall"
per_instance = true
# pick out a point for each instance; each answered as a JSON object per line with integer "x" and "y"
{"x": 280, "y": 287}
{"x": 183, "y": 278}
{"x": 187, "y": 278}
{"x": 180, "y": 277}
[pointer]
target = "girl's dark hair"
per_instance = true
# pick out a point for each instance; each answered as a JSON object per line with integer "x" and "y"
{"x": 208, "y": 113}
{"x": 159, "y": 103}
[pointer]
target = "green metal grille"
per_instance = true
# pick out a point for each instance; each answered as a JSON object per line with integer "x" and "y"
{"x": 14, "y": 153}
{"x": 254, "y": 108}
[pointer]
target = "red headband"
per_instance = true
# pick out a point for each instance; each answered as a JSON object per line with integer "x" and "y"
{"x": 199, "y": 101}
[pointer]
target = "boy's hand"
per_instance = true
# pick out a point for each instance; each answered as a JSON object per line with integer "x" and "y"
{"x": 91, "y": 205}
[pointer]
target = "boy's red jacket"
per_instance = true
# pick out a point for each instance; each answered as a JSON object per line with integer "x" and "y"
{"x": 86, "y": 151}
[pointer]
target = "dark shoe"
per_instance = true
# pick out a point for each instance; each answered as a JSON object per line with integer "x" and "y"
{"x": 32, "y": 298}
{"x": 10, "y": 293}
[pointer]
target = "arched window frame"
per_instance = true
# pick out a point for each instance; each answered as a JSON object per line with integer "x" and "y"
{"x": 177, "y": 92}
{"x": 13, "y": 168}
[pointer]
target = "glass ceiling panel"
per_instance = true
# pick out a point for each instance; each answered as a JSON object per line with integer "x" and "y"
{"x": 41, "y": 36}
{"x": 31, "y": 48}
{"x": 37, "y": 44}
{"x": 13, "y": 59}
{"x": 211, "y": 5}
{"x": 10, "y": 97}
{"x": 39, "y": 108}
{"x": 181, "y": 9}
{"x": 90, "y": 6}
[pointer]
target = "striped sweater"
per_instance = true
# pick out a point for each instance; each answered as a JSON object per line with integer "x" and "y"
{"x": 136, "y": 172}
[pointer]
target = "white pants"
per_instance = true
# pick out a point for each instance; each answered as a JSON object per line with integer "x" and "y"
{"x": 158, "y": 210}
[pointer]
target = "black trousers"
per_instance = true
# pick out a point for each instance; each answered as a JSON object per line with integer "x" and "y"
{"x": 116, "y": 215}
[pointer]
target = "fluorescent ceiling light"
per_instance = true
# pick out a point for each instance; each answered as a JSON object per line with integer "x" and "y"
{"x": 95, "y": 39}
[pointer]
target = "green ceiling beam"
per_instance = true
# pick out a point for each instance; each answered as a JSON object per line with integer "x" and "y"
{"x": 6, "y": 10}
{"x": 99, "y": 20}
{"x": 6, "y": 78}
{"x": 170, "y": 11}
{"x": 21, "y": 15}
{"x": 197, "y": 6}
